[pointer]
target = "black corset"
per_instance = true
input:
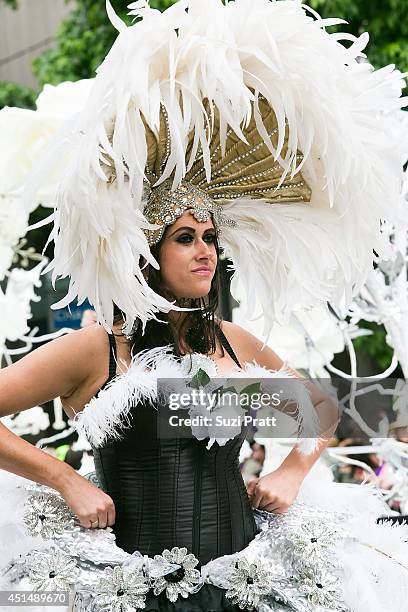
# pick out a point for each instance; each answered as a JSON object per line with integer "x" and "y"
{"x": 174, "y": 492}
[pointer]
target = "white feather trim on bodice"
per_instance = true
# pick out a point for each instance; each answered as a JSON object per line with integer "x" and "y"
{"x": 107, "y": 412}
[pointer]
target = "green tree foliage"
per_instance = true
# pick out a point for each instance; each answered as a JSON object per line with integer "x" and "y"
{"x": 11, "y": 3}
{"x": 82, "y": 41}
{"x": 375, "y": 346}
{"x": 385, "y": 20}
{"x": 13, "y": 94}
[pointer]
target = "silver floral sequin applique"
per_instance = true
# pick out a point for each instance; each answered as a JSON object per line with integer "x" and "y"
{"x": 46, "y": 515}
{"x": 323, "y": 591}
{"x": 247, "y": 583}
{"x": 52, "y": 570}
{"x": 314, "y": 540}
{"x": 119, "y": 590}
{"x": 184, "y": 580}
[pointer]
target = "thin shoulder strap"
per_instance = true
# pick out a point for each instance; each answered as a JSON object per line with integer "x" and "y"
{"x": 112, "y": 359}
{"x": 227, "y": 345}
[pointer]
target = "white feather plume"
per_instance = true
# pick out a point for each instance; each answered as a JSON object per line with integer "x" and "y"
{"x": 335, "y": 108}
{"x": 291, "y": 255}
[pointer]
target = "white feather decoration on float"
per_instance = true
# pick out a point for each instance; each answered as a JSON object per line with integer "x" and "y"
{"x": 206, "y": 64}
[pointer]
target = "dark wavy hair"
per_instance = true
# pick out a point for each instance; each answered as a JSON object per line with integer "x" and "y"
{"x": 197, "y": 331}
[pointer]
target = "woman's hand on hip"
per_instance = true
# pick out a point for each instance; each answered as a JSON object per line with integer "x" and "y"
{"x": 276, "y": 491}
{"x": 93, "y": 508}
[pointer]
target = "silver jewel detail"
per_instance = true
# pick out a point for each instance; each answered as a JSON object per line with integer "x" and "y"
{"x": 247, "y": 583}
{"x": 183, "y": 581}
{"x": 46, "y": 515}
{"x": 314, "y": 540}
{"x": 234, "y": 196}
{"x": 323, "y": 590}
{"x": 242, "y": 179}
{"x": 120, "y": 590}
{"x": 52, "y": 570}
{"x": 165, "y": 205}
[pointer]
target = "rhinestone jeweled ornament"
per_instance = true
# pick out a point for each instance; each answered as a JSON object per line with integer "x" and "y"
{"x": 247, "y": 583}
{"x": 323, "y": 590}
{"x": 314, "y": 540}
{"x": 165, "y": 206}
{"x": 182, "y": 581}
{"x": 46, "y": 515}
{"x": 52, "y": 570}
{"x": 119, "y": 590}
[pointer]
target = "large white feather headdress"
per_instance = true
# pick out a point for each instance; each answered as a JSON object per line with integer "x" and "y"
{"x": 308, "y": 202}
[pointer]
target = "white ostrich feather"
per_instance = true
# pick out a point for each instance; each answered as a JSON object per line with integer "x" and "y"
{"x": 108, "y": 411}
{"x": 290, "y": 255}
{"x": 334, "y": 107}
{"x": 375, "y": 567}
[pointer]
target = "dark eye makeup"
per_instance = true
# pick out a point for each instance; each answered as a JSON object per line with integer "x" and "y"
{"x": 187, "y": 238}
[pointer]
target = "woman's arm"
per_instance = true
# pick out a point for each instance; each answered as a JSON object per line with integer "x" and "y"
{"x": 57, "y": 369}
{"x": 276, "y": 491}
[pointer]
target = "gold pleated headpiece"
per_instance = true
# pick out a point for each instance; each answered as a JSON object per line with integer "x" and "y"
{"x": 245, "y": 170}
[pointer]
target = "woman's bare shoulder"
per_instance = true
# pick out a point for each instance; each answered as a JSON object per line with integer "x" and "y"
{"x": 92, "y": 346}
{"x": 89, "y": 340}
{"x": 238, "y": 336}
{"x": 93, "y": 341}
{"x": 249, "y": 348}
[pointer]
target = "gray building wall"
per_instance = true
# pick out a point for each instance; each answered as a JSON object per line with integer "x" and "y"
{"x": 26, "y": 32}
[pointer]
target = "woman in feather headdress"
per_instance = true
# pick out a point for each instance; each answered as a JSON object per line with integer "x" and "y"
{"x": 243, "y": 126}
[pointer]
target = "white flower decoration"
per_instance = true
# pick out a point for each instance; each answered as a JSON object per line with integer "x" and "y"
{"x": 184, "y": 580}
{"x": 46, "y": 515}
{"x": 323, "y": 590}
{"x": 313, "y": 540}
{"x": 247, "y": 583}
{"x": 119, "y": 590}
{"x": 52, "y": 570}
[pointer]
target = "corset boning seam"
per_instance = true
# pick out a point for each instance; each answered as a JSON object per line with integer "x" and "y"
{"x": 238, "y": 487}
{"x": 100, "y": 461}
{"x": 228, "y": 483}
{"x": 159, "y": 489}
{"x": 176, "y": 483}
{"x": 139, "y": 506}
{"x": 121, "y": 485}
{"x": 217, "y": 499}
{"x": 197, "y": 503}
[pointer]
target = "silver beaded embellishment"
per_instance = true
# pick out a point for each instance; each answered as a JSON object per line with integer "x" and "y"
{"x": 184, "y": 580}
{"x": 52, "y": 570}
{"x": 247, "y": 583}
{"x": 119, "y": 589}
{"x": 46, "y": 515}
{"x": 165, "y": 206}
